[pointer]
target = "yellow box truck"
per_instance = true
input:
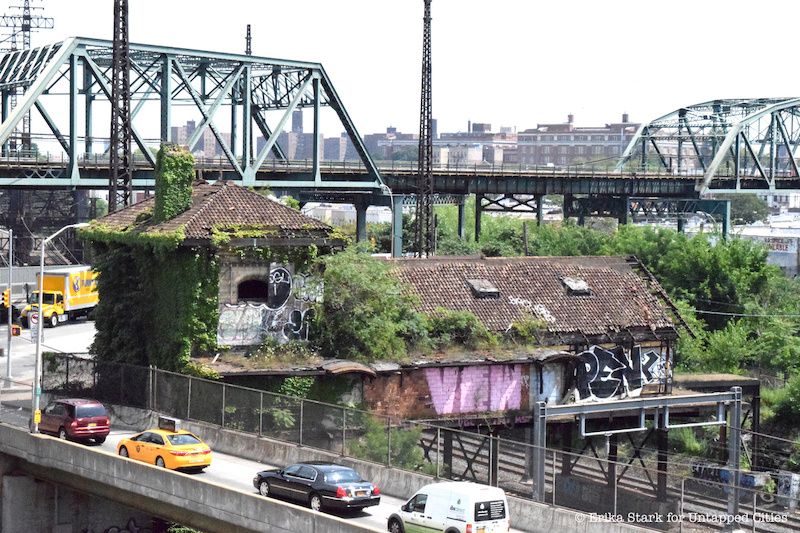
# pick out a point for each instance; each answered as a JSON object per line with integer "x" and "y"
{"x": 69, "y": 292}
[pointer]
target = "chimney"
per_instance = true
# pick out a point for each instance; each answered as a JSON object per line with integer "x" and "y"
{"x": 624, "y": 118}
{"x": 469, "y": 126}
{"x": 570, "y": 118}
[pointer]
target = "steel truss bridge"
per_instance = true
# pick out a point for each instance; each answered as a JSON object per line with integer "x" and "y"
{"x": 719, "y": 146}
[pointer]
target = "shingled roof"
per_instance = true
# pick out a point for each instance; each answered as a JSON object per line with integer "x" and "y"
{"x": 221, "y": 205}
{"x": 581, "y": 299}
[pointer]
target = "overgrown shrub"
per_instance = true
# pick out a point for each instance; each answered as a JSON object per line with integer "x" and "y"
{"x": 367, "y": 314}
{"x": 447, "y": 327}
{"x": 374, "y": 445}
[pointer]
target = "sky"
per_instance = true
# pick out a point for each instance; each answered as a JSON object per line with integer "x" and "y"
{"x": 513, "y": 63}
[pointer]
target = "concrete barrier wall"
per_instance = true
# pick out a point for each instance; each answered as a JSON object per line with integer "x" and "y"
{"x": 525, "y": 515}
{"x": 171, "y": 495}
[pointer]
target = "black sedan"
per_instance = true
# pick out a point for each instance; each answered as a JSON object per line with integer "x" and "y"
{"x": 321, "y": 485}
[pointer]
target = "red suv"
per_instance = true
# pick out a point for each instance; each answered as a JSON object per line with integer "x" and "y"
{"x": 76, "y": 419}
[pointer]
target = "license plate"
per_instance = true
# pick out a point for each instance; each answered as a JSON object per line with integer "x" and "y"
{"x": 93, "y": 424}
{"x": 361, "y": 493}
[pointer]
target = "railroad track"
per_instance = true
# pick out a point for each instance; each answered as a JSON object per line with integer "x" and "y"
{"x": 511, "y": 469}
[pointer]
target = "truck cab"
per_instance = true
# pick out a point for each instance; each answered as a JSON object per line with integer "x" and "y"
{"x": 53, "y": 310}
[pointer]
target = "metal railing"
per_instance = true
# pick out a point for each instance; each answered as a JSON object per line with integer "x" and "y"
{"x": 634, "y": 486}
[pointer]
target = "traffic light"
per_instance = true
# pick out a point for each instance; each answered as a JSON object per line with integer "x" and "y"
{"x": 7, "y": 298}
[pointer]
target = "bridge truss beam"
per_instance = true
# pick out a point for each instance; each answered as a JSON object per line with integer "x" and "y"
{"x": 257, "y": 94}
{"x": 729, "y": 145}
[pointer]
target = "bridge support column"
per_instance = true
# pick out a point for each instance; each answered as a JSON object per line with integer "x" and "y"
{"x": 462, "y": 217}
{"x": 478, "y": 211}
{"x": 681, "y": 225}
{"x": 447, "y": 454}
{"x": 361, "y": 221}
{"x": 613, "y": 442}
{"x": 494, "y": 463}
{"x": 726, "y": 220}
{"x": 539, "y": 210}
{"x": 397, "y": 226}
{"x": 87, "y": 109}
{"x": 624, "y": 209}
{"x": 74, "y": 170}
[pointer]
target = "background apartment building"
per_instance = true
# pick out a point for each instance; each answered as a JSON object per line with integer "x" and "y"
{"x": 565, "y": 144}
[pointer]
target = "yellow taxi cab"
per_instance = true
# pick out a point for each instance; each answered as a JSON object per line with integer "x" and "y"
{"x": 173, "y": 449}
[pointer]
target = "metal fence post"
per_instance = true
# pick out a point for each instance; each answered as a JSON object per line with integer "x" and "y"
{"x": 539, "y": 440}
{"x": 301, "y": 422}
{"x": 189, "y": 400}
{"x": 388, "y": 441}
{"x": 683, "y": 491}
{"x": 554, "y": 477}
{"x": 344, "y": 429}
{"x": 754, "y": 512}
{"x": 438, "y": 451}
{"x": 261, "y": 414}
{"x": 223, "y": 405}
{"x": 734, "y": 450}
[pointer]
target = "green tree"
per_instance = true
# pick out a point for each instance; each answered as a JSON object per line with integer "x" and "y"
{"x": 366, "y": 314}
{"x": 746, "y": 208}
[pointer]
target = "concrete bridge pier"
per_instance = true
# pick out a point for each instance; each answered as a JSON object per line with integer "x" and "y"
{"x": 462, "y": 217}
{"x": 361, "y": 220}
{"x": 397, "y": 225}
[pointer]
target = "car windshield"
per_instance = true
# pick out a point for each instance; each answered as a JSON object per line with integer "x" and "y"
{"x": 182, "y": 438}
{"x": 48, "y": 298}
{"x": 341, "y": 476}
{"x": 87, "y": 411}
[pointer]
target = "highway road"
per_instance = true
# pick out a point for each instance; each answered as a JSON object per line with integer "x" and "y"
{"x": 237, "y": 473}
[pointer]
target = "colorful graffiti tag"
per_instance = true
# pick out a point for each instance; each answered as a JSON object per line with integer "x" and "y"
{"x": 286, "y": 315}
{"x": 616, "y": 373}
{"x": 475, "y": 389}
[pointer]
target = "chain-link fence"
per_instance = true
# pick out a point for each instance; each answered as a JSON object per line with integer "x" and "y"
{"x": 631, "y": 484}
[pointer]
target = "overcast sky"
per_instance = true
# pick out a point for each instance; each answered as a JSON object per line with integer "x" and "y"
{"x": 507, "y": 62}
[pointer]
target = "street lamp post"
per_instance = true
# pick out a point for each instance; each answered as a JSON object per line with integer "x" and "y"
{"x": 37, "y": 378}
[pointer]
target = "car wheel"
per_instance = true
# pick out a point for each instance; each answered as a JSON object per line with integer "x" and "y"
{"x": 124, "y": 452}
{"x": 62, "y": 433}
{"x": 99, "y": 440}
{"x": 395, "y": 526}
{"x": 315, "y": 502}
{"x": 264, "y": 489}
{"x": 54, "y": 320}
{"x": 160, "y": 462}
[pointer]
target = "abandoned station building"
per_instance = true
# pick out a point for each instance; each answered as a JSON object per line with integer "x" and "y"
{"x": 604, "y": 329}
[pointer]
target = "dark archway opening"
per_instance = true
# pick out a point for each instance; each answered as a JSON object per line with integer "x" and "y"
{"x": 252, "y": 290}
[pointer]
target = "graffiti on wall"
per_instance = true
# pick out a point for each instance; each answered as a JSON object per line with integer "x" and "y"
{"x": 475, "y": 389}
{"x": 286, "y": 315}
{"x": 603, "y": 374}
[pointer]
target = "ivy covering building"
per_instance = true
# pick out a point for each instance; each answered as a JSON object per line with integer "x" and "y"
{"x": 199, "y": 265}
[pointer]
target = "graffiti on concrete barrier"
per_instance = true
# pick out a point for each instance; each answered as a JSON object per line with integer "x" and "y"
{"x": 475, "y": 389}
{"x": 617, "y": 373}
{"x": 131, "y": 527}
{"x": 286, "y": 315}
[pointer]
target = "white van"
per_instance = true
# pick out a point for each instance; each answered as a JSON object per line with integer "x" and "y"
{"x": 453, "y": 507}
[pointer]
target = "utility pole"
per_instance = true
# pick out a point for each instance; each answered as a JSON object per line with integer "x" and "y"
{"x": 10, "y": 307}
{"x": 424, "y": 228}
{"x": 121, "y": 178}
{"x": 247, "y": 49}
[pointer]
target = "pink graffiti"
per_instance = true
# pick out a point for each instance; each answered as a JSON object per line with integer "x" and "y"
{"x": 474, "y": 389}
